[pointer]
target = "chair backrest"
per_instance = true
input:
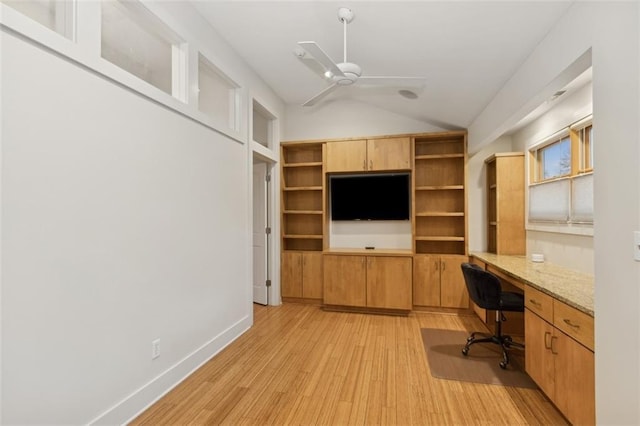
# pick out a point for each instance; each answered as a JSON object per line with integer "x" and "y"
{"x": 484, "y": 287}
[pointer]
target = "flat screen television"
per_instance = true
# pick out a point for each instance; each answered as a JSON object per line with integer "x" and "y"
{"x": 380, "y": 196}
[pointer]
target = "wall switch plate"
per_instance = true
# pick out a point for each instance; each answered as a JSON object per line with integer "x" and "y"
{"x": 155, "y": 349}
{"x": 636, "y": 245}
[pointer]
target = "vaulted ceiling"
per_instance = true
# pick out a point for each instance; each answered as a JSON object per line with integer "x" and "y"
{"x": 466, "y": 50}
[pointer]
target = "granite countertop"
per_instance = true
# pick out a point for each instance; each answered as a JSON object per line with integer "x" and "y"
{"x": 574, "y": 288}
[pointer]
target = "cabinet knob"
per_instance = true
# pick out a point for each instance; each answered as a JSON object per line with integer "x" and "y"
{"x": 547, "y": 340}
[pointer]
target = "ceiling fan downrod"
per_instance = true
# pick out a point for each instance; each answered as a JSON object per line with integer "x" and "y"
{"x": 345, "y": 15}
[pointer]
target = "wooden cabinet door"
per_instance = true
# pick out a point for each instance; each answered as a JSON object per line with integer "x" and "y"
{"x": 312, "y": 275}
{"x": 389, "y": 282}
{"x": 389, "y": 154}
{"x": 453, "y": 290}
{"x": 346, "y": 156}
{"x": 344, "y": 280}
{"x": 426, "y": 280}
{"x": 574, "y": 379}
{"x": 291, "y": 274}
{"x": 539, "y": 361}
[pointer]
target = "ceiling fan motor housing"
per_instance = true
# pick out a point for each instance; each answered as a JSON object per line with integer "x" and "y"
{"x": 351, "y": 73}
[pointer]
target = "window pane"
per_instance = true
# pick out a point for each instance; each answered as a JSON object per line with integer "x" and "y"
{"x": 582, "y": 199}
{"x": 550, "y": 201}
{"x": 556, "y": 159}
{"x": 131, "y": 42}
{"x": 53, "y": 14}
{"x": 217, "y": 96}
{"x": 261, "y": 125}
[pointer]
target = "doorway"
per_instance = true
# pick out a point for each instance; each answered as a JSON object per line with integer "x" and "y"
{"x": 261, "y": 237}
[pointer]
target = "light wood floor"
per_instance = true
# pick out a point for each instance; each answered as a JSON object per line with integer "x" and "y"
{"x": 302, "y": 365}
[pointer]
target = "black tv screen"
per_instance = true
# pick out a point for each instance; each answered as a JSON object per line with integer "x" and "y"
{"x": 370, "y": 197}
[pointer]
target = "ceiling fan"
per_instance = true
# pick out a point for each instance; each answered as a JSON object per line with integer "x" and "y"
{"x": 347, "y": 73}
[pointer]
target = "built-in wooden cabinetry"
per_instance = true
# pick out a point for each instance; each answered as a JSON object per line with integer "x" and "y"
{"x": 438, "y": 281}
{"x": 427, "y": 274}
{"x": 301, "y": 275}
{"x": 505, "y": 203}
{"x": 559, "y": 355}
{"x": 369, "y": 155}
{"x": 302, "y": 224}
{"x": 440, "y": 225}
{"x": 368, "y": 281}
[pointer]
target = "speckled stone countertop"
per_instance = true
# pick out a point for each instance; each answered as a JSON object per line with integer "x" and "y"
{"x": 571, "y": 287}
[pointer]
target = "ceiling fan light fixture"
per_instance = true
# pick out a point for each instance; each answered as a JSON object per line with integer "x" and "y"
{"x": 328, "y": 74}
{"x": 408, "y": 94}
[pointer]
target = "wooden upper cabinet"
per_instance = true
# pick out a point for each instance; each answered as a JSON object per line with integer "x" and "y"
{"x": 389, "y": 154}
{"x": 369, "y": 155}
{"x": 346, "y": 156}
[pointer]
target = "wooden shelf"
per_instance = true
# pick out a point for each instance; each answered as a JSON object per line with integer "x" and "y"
{"x": 439, "y": 238}
{"x": 439, "y": 188}
{"x": 319, "y": 212}
{"x": 440, "y": 214}
{"x": 493, "y": 186}
{"x": 437, "y": 156}
{"x": 306, "y": 237}
{"x": 493, "y": 223}
{"x": 312, "y": 164}
{"x": 304, "y": 188}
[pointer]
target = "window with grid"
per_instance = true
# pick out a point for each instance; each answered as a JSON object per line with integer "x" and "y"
{"x": 561, "y": 178}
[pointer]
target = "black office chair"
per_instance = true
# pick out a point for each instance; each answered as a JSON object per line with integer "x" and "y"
{"x": 486, "y": 292}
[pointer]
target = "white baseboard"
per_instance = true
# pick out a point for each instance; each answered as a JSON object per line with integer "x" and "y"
{"x": 141, "y": 399}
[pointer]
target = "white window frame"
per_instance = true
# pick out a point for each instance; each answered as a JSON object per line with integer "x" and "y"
{"x": 84, "y": 48}
{"x": 234, "y": 96}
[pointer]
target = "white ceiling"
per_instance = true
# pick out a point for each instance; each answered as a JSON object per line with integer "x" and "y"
{"x": 466, "y": 50}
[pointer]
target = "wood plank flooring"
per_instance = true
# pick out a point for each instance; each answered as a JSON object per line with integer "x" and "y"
{"x": 304, "y": 366}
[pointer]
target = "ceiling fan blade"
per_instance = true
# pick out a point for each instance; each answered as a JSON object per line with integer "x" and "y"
{"x": 393, "y": 81}
{"x": 320, "y": 95}
{"x": 314, "y": 50}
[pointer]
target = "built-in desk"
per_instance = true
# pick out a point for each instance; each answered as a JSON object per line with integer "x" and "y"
{"x": 558, "y": 330}
{"x": 571, "y": 287}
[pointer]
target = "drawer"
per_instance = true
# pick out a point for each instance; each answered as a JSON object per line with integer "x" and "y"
{"x": 539, "y": 303}
{"x": 574, "y": 323}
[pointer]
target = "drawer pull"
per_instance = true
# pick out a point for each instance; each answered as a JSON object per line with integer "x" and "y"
{"x": 535, "y": 303}
{"x": 553, "y": 339}
{"x": 570, "y": 324}
{"x": 547, "y": 341}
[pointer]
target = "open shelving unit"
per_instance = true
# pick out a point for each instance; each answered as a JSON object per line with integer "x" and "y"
{"x": 302, "y": 197}
{"x": 439, "y": 194}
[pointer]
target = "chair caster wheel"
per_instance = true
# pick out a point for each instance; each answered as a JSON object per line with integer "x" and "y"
{"x": 503, "y": 365}
{"x": 465, "y": 351}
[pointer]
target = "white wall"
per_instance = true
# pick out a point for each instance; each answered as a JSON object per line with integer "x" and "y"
{"x": 122, "y": 222}
{"x": 347, "y": 118}
{"x": 611, "y": 30}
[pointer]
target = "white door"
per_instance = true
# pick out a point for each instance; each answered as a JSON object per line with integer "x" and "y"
{"x": 260, "y": 236}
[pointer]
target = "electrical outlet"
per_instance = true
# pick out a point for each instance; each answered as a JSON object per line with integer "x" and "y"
{"x": 636, "y": 245}
{"x": 155, "y": 349}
